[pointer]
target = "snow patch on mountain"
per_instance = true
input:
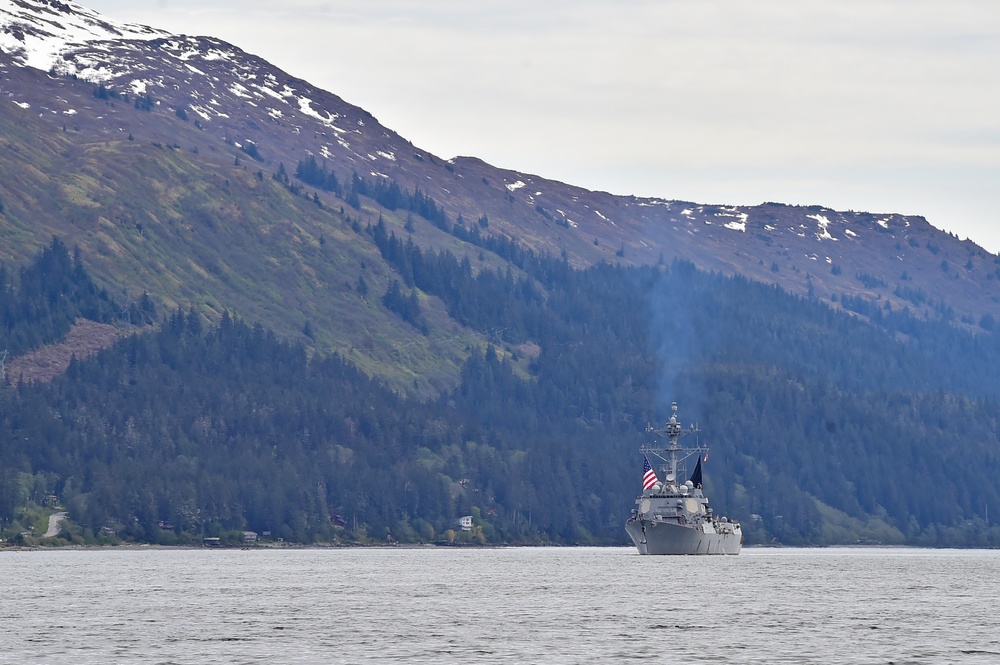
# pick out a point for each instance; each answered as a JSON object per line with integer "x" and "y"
{"x": 739, "y": 222}
{"x": 37, "y": 32}
{"x": 273, "y": 93}
{"x": 305, "y": 107}
{"x": 204, "y": 112}
{"x": 239, "y": 90}
{"x": 649, "y": 203}
{"x": 823, "y": 223}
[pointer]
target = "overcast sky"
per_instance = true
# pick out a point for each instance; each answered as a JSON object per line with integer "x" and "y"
{"x": 884, "y": 106}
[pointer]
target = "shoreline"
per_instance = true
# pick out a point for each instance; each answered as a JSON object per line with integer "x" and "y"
{"x": 4, "y": 547}
{"x": 284, "y": 546}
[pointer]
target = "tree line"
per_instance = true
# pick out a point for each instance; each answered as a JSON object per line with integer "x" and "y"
{"x": 824, "y": 428}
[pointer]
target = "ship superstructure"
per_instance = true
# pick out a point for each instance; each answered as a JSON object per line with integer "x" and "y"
{"x": 673, "y": 517}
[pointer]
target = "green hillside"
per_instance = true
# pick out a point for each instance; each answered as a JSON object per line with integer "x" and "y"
{"x": 199, "y": 430}
{"x": 198, "y": 224}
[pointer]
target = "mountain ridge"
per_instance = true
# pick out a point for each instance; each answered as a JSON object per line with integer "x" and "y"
{"x": 244, "y": 102}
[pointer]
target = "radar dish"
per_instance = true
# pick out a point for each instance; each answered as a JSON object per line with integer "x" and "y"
{"x": 670, "y": 478}
{"x": 644, "y": 505}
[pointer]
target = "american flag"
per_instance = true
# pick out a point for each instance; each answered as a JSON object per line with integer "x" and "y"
{"x": 649, "y": 478}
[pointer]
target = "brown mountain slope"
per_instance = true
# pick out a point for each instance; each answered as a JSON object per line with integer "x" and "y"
{"x": 42, "y": 365}
{"x": 184, "y": 211}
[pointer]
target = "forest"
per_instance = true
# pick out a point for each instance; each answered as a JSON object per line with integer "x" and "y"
{"x": 825, "y": 426}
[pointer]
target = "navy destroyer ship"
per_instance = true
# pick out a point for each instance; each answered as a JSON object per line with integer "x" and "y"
{"x": 673, "y": 517}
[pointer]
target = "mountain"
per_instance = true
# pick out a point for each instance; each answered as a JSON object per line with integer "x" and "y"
{"x": 492, "y": 341}
{"x": 234, "y": 101}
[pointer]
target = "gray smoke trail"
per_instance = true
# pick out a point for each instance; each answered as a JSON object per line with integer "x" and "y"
{"x": 682, "y": 336}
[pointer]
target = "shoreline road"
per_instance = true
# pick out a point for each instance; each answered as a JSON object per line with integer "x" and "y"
{"x": 54, "y": 520}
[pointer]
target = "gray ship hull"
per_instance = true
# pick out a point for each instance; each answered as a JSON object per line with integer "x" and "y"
{"x": 666, "y": 538}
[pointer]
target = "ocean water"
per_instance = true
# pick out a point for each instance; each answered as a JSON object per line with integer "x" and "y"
{"x": 516, "y": 605}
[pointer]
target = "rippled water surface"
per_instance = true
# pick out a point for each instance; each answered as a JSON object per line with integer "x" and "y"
{"x": 547, "y": 605}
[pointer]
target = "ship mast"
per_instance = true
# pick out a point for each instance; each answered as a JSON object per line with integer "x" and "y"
{"x": 672, "y": 453}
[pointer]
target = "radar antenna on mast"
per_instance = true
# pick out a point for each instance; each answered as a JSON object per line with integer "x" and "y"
{"x": 672, "y": 455}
